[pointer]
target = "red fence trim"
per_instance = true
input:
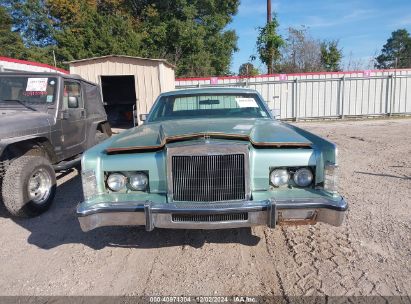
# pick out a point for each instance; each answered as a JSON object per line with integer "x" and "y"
{"x": 291, "y": 74}
{"x": 38, "y": 64}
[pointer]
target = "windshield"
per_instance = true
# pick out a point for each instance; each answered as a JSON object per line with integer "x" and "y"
{"x": 208, "y": 106}
{"x": 27, "y": 90}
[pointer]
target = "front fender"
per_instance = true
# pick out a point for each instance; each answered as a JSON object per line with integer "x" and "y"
{"x": 5, "y": 143}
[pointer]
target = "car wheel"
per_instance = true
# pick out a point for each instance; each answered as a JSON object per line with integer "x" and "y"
{"x": 29, "y": 186}
{"x": 100, "y": 136}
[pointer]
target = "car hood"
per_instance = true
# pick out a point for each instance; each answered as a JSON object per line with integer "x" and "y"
{"x": 259, "y": 132}
{"x": 14, "y": 123}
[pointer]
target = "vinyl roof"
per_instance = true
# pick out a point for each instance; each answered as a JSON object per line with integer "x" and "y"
{"x": 210, "y": 90}
{"x": 122, "y": 56}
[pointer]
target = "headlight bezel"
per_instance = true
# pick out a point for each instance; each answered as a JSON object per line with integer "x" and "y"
{"x": 292, "y": 170}
{"x": 127, "y": 187}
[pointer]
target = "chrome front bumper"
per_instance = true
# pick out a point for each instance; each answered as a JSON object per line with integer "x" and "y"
{"x": 265, "y": 212}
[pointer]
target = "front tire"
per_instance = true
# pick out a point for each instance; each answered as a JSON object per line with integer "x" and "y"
{"x": 29, "y": 186}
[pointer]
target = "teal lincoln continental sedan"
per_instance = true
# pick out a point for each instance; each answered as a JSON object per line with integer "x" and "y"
{"x": 210, "y": 159}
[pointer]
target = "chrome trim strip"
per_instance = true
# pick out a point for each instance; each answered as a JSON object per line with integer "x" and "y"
{"x": 211, "y": 208}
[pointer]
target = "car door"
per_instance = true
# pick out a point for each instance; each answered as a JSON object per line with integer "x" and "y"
{"x": 73, "y": 118}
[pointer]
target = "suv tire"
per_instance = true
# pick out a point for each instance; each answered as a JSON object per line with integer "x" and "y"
{"x": 29, "y": 186}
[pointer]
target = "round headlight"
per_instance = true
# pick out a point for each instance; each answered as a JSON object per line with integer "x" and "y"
{"x": 303, "y": 177}
{"x": 279, "y": 177}
{"x": 138, "y": 181}
{"x": 116, "y": 181}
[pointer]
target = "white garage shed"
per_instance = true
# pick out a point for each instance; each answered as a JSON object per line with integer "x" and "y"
{"x": 128, "y": 84}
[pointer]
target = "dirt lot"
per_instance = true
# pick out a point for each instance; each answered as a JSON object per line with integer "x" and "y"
{"x": 369, "y": 255}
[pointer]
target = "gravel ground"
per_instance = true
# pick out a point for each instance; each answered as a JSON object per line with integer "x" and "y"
{"x": 369, "y": 255}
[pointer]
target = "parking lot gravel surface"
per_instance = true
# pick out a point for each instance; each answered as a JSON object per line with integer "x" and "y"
{"x": 369, "y": 255}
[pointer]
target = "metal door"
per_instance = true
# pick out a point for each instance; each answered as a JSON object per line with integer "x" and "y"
{"x": 73, "y": 118}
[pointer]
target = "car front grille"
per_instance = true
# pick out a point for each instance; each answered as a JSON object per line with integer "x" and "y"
{"x": 201, "y": 218}
{"x": 208, "y": 178}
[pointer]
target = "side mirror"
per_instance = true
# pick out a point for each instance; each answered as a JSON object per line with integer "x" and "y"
{"x": 276, "y": 113}
{"x": 143, "y": 117}
{"x": 72, "y": 102}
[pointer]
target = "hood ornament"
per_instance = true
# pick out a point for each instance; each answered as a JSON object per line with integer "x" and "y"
{"x": 207, "y": 138}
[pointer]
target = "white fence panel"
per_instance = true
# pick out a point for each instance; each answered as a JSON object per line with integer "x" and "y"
{"x": 324, "y": 95}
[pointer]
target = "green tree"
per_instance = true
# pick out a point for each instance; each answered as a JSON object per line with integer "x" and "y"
{"x": 97, "y": 35}
{"x": 11, "y": 44}
{"x": 74, "y": 29}
{"x": 32, "y": 20}
{"x": 269, "y": 43}
{"x": 248, "y": 69}
{"x": 331, "y": 56}
{"x": 190, "y": 34}
{"x": 396, "y": 53}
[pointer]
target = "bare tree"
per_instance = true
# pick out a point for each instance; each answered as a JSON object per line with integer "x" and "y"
{"x": 301, "y": 53}
{"x": 354, "y": 64}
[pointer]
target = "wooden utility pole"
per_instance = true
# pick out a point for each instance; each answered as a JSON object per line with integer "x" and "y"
{"x": 269, "y": 18}
{"x": 54, "y": 58}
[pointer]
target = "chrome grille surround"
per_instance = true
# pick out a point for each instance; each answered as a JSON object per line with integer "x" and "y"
{"x": 235, "y": 153}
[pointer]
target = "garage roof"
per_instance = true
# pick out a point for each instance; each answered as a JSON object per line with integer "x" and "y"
{"x": 122, "y": 56}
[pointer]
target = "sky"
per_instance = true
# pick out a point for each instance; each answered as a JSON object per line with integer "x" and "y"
{"x": 362, "y": 27}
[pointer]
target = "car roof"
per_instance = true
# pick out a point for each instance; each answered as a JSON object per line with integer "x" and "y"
{"x": 210, "y": 90}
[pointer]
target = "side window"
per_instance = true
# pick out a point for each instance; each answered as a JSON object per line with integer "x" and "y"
{"x": 72, "y": 89}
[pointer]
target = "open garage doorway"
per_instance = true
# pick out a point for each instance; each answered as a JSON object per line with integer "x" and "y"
{"x": 119, "y": 97}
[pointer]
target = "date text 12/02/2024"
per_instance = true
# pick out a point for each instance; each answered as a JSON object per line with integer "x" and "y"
{"x": 202, "y": 299}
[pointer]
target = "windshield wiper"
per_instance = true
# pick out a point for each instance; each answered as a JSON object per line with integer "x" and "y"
{"x": 22, "y": 103}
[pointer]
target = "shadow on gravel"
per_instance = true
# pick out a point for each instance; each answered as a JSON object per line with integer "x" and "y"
{"x": 384, "y": 175}
{"x": 3, "y": 210}
{"x": 59, "y": 226}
